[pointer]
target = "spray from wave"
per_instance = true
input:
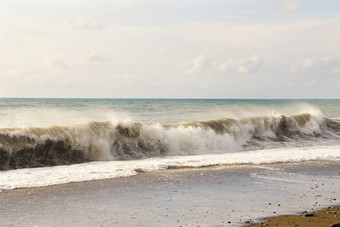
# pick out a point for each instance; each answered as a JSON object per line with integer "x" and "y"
{"x": 49, "y": 146}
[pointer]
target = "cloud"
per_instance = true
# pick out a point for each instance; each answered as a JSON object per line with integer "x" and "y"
{"x": 294, "y": 68}
{"x": 19, "y": 71}
{"x": 252, "y": 64}
{"x": 168, "y": 49}
{"x": 335, "y": 70}
{"x": 91, "y": 57}
{"x": 243, "y": 65}
{"x": 68, "y": 59}
{"x": 58, "y": 60}
{"x": 326, "y": 64}
{"x": 311, "y": 83}
{"x": 83, "y": 23}
{"x": 289, "y": 5}
{"x": 198, "y": 64}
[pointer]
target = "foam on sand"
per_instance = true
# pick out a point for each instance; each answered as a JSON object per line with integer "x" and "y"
{"x": 36, "y": 177}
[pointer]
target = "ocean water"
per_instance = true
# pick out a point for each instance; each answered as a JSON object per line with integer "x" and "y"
{"x": 52, "y": 141}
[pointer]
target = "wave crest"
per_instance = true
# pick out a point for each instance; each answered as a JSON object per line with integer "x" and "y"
{"x": 36, "y": 147}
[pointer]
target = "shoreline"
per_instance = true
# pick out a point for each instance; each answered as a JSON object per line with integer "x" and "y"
{"x": 204, "y": 196}
{"x": 37, "y": 177}
{"x": 179, "y": 168}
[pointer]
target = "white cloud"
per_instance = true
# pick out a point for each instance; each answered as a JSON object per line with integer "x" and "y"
{"x": 335, "y": 70}
{"x": 310, "y": 62}
{"x": 223, "y": 66}
{"x": 294, "y": 68}
{"x": 252, "y": 64}
{"x": 289, "y": 5}
{"x": 243, "y": 65}
{"x": 198, "y": 64}
{"x": 83, "y": 23}
{"x": 311, "y": 83}
{"x": 168, "y": 49}
{"x": 58, "y": 60}
{"x": 68, "y": 59}
{"x": 91, "y": 57}
{"x": 19, "y": 71}
{"x": 325, "y": 64}
{"x": 162, "y": 50}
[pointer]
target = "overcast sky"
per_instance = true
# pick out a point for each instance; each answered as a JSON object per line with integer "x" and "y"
{"x": 170, "y": 48}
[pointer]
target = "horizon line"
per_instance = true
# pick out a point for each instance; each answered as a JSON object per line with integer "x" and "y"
{"x": 196, "y": 98}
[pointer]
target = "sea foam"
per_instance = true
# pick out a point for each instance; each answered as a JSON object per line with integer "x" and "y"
{"x": 37, "y": 177}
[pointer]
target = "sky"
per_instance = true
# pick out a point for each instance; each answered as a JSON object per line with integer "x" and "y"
{"x": 170, "y": 48}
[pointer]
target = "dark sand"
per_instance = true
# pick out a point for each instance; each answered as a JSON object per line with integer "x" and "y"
{"x": 212, "y": 196}
{"x": 326, "y": 217}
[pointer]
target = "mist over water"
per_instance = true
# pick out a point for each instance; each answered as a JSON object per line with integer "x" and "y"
{"x": 48, "y": 112}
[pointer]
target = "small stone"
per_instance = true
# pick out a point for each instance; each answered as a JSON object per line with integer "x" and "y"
{"x": 309, "y": 215}
{"x": 336, "y": 225}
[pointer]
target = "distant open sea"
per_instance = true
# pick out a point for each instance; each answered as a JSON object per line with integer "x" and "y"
{"x": 53, "y": 141}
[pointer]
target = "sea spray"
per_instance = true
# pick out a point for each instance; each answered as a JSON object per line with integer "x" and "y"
{"x": 92, "y": 141}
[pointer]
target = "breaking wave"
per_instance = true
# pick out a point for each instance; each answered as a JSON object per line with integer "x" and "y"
{"x": 58, "y": 145}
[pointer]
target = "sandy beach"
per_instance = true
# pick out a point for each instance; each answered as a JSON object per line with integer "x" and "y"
{"x": 327, "y": 217}
{"x": 212, "y": 196}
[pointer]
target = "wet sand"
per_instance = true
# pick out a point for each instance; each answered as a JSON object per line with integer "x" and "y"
{"x": 212, "y": 196}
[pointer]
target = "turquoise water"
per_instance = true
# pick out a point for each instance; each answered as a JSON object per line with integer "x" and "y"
{"x": 30, "y": 112}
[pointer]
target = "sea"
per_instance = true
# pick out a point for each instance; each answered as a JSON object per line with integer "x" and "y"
{"x": 54, "y": 141}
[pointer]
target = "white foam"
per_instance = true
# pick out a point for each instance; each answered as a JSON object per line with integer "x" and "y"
{"x": 37, "y": 177}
